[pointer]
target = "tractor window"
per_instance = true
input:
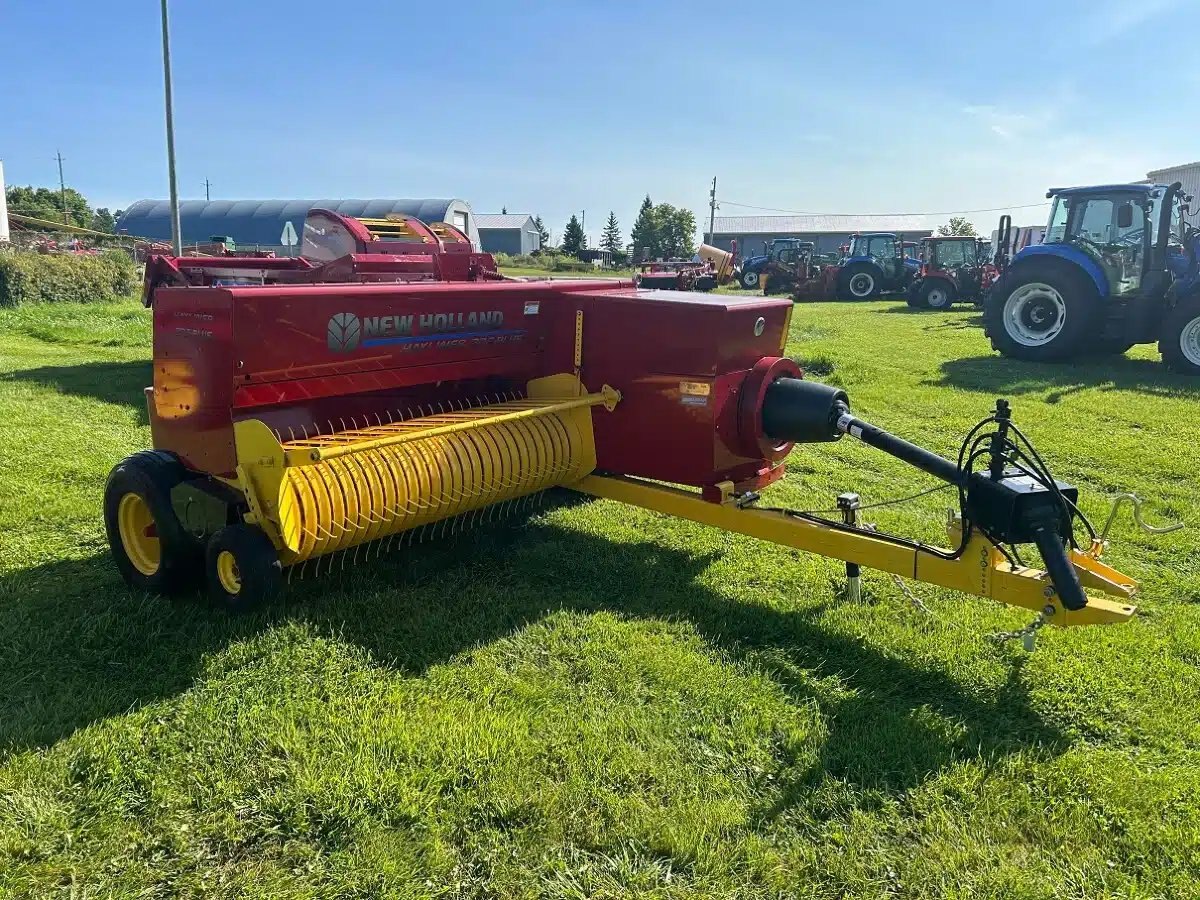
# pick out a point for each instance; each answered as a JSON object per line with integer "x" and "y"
{"x": 954, "y": 253}
{"x": 881, "y": 247}
{"x": 1056, "y": 231}
{"x": 1094, "y": 221}
{"x": 1112, "y": 230}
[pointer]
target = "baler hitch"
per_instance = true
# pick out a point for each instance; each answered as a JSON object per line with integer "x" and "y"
{"x": 1011, "y": 500}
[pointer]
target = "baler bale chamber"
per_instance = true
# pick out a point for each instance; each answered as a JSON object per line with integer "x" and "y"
{"x": 296, "y": 421}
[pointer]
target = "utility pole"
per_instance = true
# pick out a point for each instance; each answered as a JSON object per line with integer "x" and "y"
{"x": 206, "y": 196}
{"x": 712, "y": 212}
{"x": 62, "y": 188}
{"x": 176, "y": 236}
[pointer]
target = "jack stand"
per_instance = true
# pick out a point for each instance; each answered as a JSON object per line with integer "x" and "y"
{"x": 849, "y": 503}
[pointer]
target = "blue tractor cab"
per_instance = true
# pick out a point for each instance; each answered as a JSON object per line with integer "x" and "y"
{"x": 876, "y": 264}
{"x": 1117, "y": 267}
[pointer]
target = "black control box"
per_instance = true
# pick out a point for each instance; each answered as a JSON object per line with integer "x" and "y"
{"x": 1009, "y": 508}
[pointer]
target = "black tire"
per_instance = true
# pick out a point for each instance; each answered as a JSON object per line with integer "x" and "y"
{"x": 853, "y": 284}
{"x": 936, "y": 294}
{"x": 255, "y": 568}
{"x": 748, "y": 280}
{"x": 138, "y": 492}
{"x": 1180, "y": 340}
{"x": 1073, "y": 322}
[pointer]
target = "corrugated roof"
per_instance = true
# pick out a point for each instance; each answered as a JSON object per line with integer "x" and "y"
{"x": 503, "y": 220}
{"x": 261, "y": 222}
{"x": 816, "y": 224}
{"x": 1154, "y": 173}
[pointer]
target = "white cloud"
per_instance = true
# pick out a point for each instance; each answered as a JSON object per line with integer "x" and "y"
{"x": 1007, "y": 123}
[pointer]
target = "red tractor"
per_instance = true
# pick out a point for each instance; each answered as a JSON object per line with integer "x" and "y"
{"x": 952, "y": 269}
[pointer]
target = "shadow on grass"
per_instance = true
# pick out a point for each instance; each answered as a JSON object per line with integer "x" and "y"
{"x": 121, "y": 383}
{"x": 974, "y": 319}
{"x": 79, "y": 647}
{"x": 994, "y": 374}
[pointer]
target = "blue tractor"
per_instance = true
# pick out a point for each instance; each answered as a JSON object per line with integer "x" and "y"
{"x": 749, "y": 272}
{"x": 876, "y": 264}
{"x": 1118, "y": 266}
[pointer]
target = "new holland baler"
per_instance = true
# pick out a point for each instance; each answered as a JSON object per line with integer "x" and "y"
{"x": 295, "y": 421}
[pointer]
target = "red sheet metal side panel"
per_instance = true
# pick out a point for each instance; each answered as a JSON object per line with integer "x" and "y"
{"x": 191, "y": 404}
{"x": 304, "y": 355}
{"x": 296, "y": 343}
{"x": 679, "y": 360}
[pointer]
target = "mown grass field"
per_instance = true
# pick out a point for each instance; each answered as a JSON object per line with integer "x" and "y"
{"x": 598, "y": 701}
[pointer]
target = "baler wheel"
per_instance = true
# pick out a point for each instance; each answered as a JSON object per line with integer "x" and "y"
{"x": 242, "y": 568}
{"x": 152, "y": 550}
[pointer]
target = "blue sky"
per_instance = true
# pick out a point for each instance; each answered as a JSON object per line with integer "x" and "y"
{"x": 816, "y": 107}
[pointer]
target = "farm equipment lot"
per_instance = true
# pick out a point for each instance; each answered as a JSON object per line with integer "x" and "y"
{"x": 596, "y": 699}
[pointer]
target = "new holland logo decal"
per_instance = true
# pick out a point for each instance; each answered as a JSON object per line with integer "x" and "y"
{"x": 344, "y": 332}
{"x": 347, "y": 332}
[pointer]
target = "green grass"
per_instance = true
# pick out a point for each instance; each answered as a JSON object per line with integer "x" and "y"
{"x": 599, "y": 701}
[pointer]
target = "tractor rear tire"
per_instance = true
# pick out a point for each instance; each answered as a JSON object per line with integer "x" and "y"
{"x": 1180, "y": 341}
{"x": 1044, "y": 310}
{"x": 860, "y": 281}
{"x": 748, "y": 280}
{"x": 936, "y": 295}
{"x": 242, "y": 568}
{"x": 152, "y": 549}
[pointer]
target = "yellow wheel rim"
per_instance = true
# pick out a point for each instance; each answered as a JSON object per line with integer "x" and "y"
{"x": 227, "y": 572}
{"x": 135, "y": 523}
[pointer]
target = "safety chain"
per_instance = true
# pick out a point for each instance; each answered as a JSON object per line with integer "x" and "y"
{"x": 1028, "y": 634}
{"x": 917, "y": 603}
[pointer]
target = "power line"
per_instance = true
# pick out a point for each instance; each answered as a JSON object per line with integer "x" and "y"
{"x": 951, "y": 212}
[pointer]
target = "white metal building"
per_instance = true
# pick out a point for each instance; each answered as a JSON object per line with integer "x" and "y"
{"x": 1189, "y": 176}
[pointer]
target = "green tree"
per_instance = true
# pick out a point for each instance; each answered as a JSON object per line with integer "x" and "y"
{"x": 543, "y": 234}
{"x": 644, "y": 240}
{"x": 958, "y": 227}
{"x": 610, "y": 238}
{"x": 676, "y": 231}
{"x": 104, "y": 220}
{"x": 574, "y": 241}
{"x": 46, "y": 203}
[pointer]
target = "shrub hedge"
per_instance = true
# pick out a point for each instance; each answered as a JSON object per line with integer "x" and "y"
{"x": 52, "y": 278}
{"x": 552, "y": 262}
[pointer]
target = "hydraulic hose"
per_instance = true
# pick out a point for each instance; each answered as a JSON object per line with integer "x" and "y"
{"x": 806, "y": 411}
